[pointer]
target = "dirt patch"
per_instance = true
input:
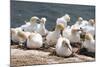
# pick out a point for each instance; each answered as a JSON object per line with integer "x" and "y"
{"x": 23, "y": 57}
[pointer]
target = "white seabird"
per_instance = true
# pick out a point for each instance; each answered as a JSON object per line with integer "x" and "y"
{"x": 64, "y": 20}
{"x": 73, "y": 34}
{"x": 22, "y": 37}
{"x": 14, "y": 35}
{"x": 34, "y": 40}
{"x": 52, "y": 37}
{"x": 92, "y": 22}
{"x": 63, "y": 47}
{"x": 32, "y": 26}
{"x": 90, "y": 27}
{"x": 89, "y": 43}
{"x": 81, "y": 22}
{"x": 14, "y": 32}
{"x": 42, "y": 30}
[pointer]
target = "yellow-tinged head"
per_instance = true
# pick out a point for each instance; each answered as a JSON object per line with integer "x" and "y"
{"x": 88, "y": 36}
{"x": 60, "y": 26}
{"x": 34, "y": 19}
{"x": 43, "y": 20}
{"x": 21, "y": 35}
{"x": 32, "y": 35}
{"x": 75, "y": 29}
{"x": 67, "y": 17}
{"x": 80, "y": 19}
{"x": 92, "y": 21}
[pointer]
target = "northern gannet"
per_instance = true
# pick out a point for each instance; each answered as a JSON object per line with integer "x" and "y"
{"x": 89, "y": 28}
{"x": 52, "y": 37}
{"x": 34, "y": 40}
{"x": 92, "y": 22}
{"x": 73, "y": 34}
{"x": 32, "y": 26}
{"x": 81, "y": 22}
{"x": 14, "y": 32}
{"x": 22, "y": 37}
{"x": 64, "y": 19}
{"x": 42, "y": 30}
{"x": 89, "y": 43}
{"x": 63, "y": 47}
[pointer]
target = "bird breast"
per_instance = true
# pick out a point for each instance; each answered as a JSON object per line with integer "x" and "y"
{"x": 61, "y": 49}
{"x": 35, "y": 41}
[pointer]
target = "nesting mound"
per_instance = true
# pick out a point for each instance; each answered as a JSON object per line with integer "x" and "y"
{"x": 22, "y": 57}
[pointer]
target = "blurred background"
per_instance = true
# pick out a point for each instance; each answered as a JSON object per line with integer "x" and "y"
{"x": 22, "y": 11}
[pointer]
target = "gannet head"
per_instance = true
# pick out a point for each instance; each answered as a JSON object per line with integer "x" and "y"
{"x": 43, "y": 20}
{"x": 67, "y": 17}
{"x": 32, "y": 35}
{"x": 80, "y": 19}
{"x": 34, "y": 19}
{"x": 21, "y": 35}
{"x": 91, "y": 21}
{"x": 75, "y": 29}
{"x": 88, "y": 36}
{"x": 60, "y": 26}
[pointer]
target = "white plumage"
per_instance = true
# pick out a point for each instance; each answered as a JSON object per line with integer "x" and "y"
{"x": 32, "y": 26}
{"x": 64, "y": 19}
{"x": 32, "y": 33}
{"x": 92, "y": 22}
{"x": 63, "y": 47}
{"x": 72, "y": 34}
{"x": 84, "y": 23}
{"x": 34, "y": 40}
{"x": 89, "y": 29}
{"x": 89, "y": 43}
{"x": 42, "y": 30}
{"x": 22, "y": 36}
{"x": 81, "y": 22}
{"x": 14, "y": 32}
{"x": 52, "y": 37}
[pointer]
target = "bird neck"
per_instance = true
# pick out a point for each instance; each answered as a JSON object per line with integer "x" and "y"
{"x": 42, "y": 26}
{"x": 79, "y": 22}
{"x": 57, "y": 31}
{"x": 91, "y": 24}
{"x": 33, "y": 23}
{"x": 74, "y": 33}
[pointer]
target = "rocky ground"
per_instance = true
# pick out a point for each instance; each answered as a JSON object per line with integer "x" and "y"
{"x": 24, "y": 57}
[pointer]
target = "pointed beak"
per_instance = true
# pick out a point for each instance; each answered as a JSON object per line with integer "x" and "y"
{"x": 38, "y": 21}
